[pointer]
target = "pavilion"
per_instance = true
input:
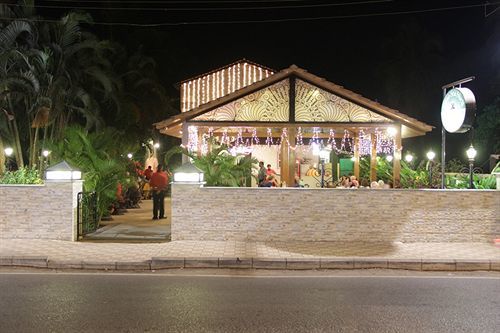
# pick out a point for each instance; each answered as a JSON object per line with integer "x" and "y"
{"x": 246, "y": 105}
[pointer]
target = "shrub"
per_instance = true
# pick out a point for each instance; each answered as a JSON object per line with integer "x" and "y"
{"x": 22, "y": 176}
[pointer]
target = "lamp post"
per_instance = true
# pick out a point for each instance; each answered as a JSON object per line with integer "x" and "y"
{"x": 8, "y": 163}
{"x": 324, "y": 157}
{"x": 430, "y": 157}
{"x": 188, "y": 174}
{"x": 62, "y": 172}
{"x": 471, "y": 155}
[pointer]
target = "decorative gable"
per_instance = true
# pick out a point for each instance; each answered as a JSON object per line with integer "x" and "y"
{"x": 221, "y": 82}
{"x": 268, "y": 104}
{"x": 313, "y": 104}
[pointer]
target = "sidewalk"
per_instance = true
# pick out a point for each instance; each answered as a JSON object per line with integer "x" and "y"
{"x": 275, "y": 255}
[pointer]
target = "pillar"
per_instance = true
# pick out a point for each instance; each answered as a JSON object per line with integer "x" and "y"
{"x": 185, "y": 139}
{"x": 373, "y": 158}
{"x": 356, "y": 155}
{"x": 396, "y": 162}
{"x": 287, "y": 159}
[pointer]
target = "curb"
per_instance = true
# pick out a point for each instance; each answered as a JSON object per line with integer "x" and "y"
{"x": 157, "y": 263}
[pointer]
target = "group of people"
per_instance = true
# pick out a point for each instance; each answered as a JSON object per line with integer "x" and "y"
{"x": 348, "y": 181}
{"x": 266, "y": 176}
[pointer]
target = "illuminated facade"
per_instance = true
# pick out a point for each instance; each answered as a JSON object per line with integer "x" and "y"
{"x": 248, "y": 106}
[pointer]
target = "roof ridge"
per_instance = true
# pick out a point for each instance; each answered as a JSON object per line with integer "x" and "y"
{"x": 242, "y": 60}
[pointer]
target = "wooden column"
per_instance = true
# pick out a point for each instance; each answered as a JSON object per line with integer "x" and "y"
{"x": 199, "y": 143}
{"x": 185, "y": 138}
{"x": 373, "y": 158}
{"x": 396, "y": 166}
{"x": 287, "y": 162}
{"x": 356, "y": 155}
{"x": 291, "y": 157}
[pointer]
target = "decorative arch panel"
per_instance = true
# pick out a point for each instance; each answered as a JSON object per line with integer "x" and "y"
{"x": 268, "y": 104}
{"x": 316, "y": 105}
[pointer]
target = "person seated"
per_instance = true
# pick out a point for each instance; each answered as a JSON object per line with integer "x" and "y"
{"x": 270, "y": 181}
{"x": 133, "y": 196}
{"x": 270, "y": 171}
{"x": 344, "y": 182}
{"x": 354, "y": 182}
{"x": 146, "y": 191}
{"x": 298, "y": 182}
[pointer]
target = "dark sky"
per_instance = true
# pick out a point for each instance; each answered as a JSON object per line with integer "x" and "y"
{"x": 400, "y": 60}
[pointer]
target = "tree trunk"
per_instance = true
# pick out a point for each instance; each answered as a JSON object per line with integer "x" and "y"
{"x": 17, "y": 141}
{"x": 2, "y": 157}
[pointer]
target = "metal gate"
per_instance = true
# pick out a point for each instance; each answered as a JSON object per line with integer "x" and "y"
{"x": 87, "y": 214}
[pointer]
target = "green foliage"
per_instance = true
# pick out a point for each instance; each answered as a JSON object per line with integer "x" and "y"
{"x": 22, "y": 176}
{"x": 487, "y": 131}
{"x": 461, "y": 181}
{"x": 410, "y": 177}
{"x": 485, "y": 183}
{"x": 97, "y": 156}
{"x": 54, "y": 74}
{"x": 223, "y": 169}
{"x": 455, "y": 165}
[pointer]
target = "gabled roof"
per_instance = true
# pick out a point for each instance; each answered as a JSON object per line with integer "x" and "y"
{"x": 241, "y": 61}
{"x": 167, "y": 126}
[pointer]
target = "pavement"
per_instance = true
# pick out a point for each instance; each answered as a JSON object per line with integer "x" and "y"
{"x": 135, "y": 225}
{"x": 121, "y": 251}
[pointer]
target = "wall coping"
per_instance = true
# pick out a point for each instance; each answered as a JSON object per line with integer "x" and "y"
{"x": 23, "y": 185}
{"x": 220, "y": 188}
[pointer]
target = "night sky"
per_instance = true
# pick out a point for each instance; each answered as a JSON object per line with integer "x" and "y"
{"x": 371, "y": 47}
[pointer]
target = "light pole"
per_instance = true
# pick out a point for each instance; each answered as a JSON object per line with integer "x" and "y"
{"x": 471, "y": 154}
{"x": 430, "y": 157}
{"x": 8, "y": 163}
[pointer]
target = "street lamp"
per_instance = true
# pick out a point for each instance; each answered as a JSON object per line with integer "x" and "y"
{"x": 471, "y": 154}
{"x": 430, "y": 157}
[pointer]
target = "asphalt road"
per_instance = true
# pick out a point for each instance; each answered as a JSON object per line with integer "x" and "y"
{"x": 159, "y": 303}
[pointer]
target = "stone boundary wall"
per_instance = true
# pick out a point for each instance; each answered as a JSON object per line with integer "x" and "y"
{"x": 343, "y": 215}
{"x": 39, "y": 211}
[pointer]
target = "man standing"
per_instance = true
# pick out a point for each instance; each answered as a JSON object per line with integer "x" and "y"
{"x": 262, "y": 174}
{"x": 148, "y": 173}
{"x": 158, "y": 183}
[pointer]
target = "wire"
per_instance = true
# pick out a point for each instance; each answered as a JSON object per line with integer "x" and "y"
{"x": 268, "y": 21}
{"x": 182, "y": 2}
{"x": 205, "y": 8}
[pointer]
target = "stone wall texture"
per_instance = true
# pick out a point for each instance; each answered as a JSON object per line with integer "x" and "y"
{"x": 363, "y": 215}
{"x": 39, "y": 211}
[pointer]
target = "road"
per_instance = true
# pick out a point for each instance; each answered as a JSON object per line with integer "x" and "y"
{"x": 64, "y": 302}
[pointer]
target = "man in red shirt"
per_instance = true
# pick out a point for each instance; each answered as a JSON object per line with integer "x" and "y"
{"x": 159, "y": 183}
{"x": 148, "y": 172}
